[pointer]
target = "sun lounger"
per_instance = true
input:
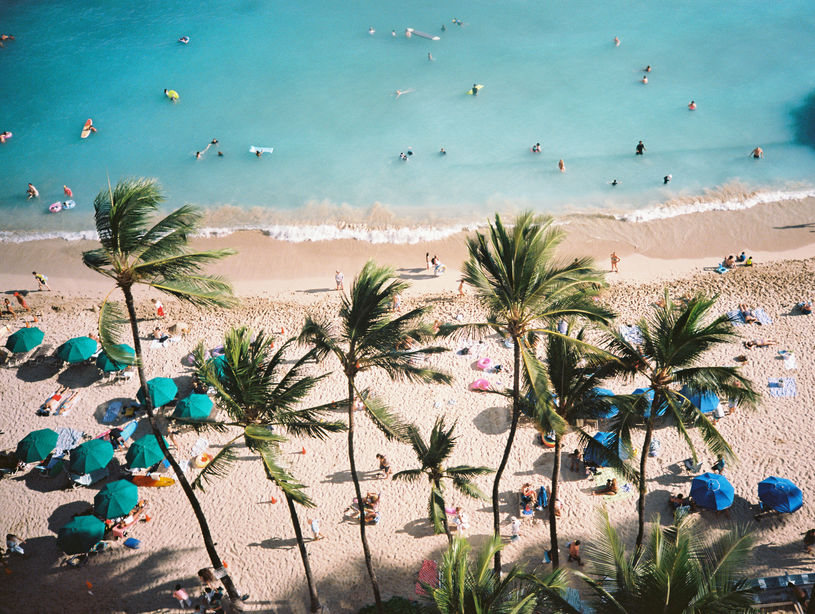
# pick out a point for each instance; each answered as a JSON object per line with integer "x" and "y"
{"x": 125, "y": 375}
{"x": 428, "y": 577}
{"x": 41, "y": 354}
{"x": 632, "y": 334}
{"x": 782, "y": 387}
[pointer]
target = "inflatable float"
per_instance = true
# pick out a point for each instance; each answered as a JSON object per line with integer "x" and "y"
{"x": 548, "y": 440}
{"x": 202, "y": 460}
{"x": 87, "y": 129}
{"x": 5, "y": 136}
{"x": 172, "y": 95}
{"x": 484, "y": 363}
{"x": 59, "y": 206}
{"x": 480, "y": 385}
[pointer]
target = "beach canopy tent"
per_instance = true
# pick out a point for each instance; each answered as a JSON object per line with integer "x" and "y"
{"x": 35, "y": 446}
{"x": 162, "y": 391}
{"x": 145, "y": 452}
{"x": 116, "y": 499}
{"x": 712, "y": 491}
{"x": 611, "y": 410}
{"x": 77, "y": 349}
{"x": 194, "y": 407}
{"x": 24, "y": 340}
{"x": 106, "y": 364}
{"x": 90, "y": 456}
{"x": 80, "y": 535}
{"x": 706, "y": 402}
{"x": 605, "y": 439}
{"x": 780, "y": 494}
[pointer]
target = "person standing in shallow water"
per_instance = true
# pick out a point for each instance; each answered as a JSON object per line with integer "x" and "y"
{"x": 640, "y": 148}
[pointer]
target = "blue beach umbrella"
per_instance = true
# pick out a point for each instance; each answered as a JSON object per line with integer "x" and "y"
{"x": 162, "y": 391}
{"x": 194, "y": 407}
{"x": 648, "y": 393}
{"x": 24, "y": 340}
{"x": 705, "y": 402}
{"x": 780, "y": 494}
{"x": 591, "y": 456}
{"x": 77, "y": 349}
{"x": 607, "y": 412}
{"x": 712, "y": 491}
{"x": 106, "y": 364}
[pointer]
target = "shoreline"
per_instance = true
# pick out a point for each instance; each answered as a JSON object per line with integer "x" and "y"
{"x": 266, "y": 266}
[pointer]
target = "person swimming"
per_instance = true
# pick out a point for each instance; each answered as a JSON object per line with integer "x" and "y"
{"x": 536, "y": 148}
{"x": 443, "y": 151}
{"x": 614, "y": 182}
{"x": 429, "y": 56}
{"x": 184, "y": 39}
{"x": 371, "y": 31}
{"x": 647, "y": 68}
{"x": 616, "y": 41}
{"x": 561, "y": 165}
{"x": 401, "y": 92}
{"x": 645, "y": 79}
{"x": 667, "y": 179}
{"x": 692, "y": 105}
{"x": 757, "y": 153}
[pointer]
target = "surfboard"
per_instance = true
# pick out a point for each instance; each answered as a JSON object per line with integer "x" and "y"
{"x": 86, "y": 129}
{"x": 424, "y": 34}
{"x": 477, "y": 87}
{"x": 254, "y": 149}
{"x": 147, "y": 481}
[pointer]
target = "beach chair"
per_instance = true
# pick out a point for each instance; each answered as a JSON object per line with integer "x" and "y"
{"x": 691, "y": 466}
{"x": 40, "y": 355}
{"x": 428, "y": 577}
{"x": 52, "y": 469}
{"x": 125, "y": 375}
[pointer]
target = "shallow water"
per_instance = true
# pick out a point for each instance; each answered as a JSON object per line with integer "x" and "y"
{"x": 307, "y": 79}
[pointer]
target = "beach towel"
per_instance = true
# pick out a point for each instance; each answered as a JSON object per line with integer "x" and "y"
{"x": 112, "y": 412}
{"x": 428, "y": 574}
{"x": 721, "y": 269}
{"x": 653, "y": 448}
{"x": 762, "y": 317}
{"x": 782, "y": 387}
{"x": 623, "y": 489}
{"x": 735, "y": 317}
{"x": 788, "y": 360}
{"x": 67, "y": 439}
{"x": 632, "y": 334}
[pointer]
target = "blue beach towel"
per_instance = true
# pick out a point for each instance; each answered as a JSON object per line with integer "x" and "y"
{"x": 735, "y": 317}
{"x": 762, "y": 317}
{"x": 721, "y": 270}
{"x": 67, "y": 439}
{"x": 782, "y": 387}
{"x": 112, "y": 412}
{"x": 632, "y": 334}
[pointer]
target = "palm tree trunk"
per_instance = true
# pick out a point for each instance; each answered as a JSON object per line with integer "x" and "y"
{"x": 444, "y": 518}
{"x": 217, "y": 564}
{"x": 552, "y": 498}
{"x": 298, "y": 534}
{"x": 360, "y": 501}
{"x": 516, "y": 413}
{"x": 643, "y": 459}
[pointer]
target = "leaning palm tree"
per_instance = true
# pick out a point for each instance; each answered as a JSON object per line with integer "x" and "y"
{"x": 261, "y": 397}
{"x": 432, "y": 457}
{"x": 680, "y": 571}
{"x": 573, "y": 372}
{"x": 675, "y": 340}
{"x": 371, "y": 337}
{"x": 524, "y": 290}
{"x": 137, "y": 250}
{"x": 471, "y": 587}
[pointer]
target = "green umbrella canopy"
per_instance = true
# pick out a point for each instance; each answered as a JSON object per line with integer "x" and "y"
{"x": 91, "y": 456}
{"x": 104, "y": 362}
{"x": 218, "y": 365}
{"x": 194, "y": 407}
{"x": 77, "y": 349}
{"x": 145, "y": 452}
{"x": 162, "y": 391}
{"x": 116, "y": 499}
{"x": 35, "y": 446}
{"x": 80, "y": 535}
{"x": 25, "y": 339}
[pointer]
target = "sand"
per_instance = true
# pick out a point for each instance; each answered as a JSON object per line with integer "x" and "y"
{"x": 279, "y": 284}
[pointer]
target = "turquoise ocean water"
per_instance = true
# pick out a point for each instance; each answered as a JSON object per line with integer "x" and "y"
{"x": 308, "y": 79}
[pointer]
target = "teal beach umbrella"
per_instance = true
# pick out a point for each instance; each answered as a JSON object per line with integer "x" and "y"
{"x": 145, "y": 452}
{"x": 90, "y": 456}
{"x": 162, "y": 391}
{"x": 24, "y": 340}
{"x": 80, "y": 535}
{"x": 106, "y": 364}
{"x": 35, "y": 446}
{"x": 77, "y": 349}
{"x": 218, "y": 364}
{"x": 116, "y": 499}
{"x": 194, "y": 407}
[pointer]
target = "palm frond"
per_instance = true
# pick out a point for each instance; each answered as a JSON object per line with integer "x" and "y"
{"x": 217, "y": 468}
{"x": 385, "y": 420}
{"x": 283, "y": 479}
{"x": 113, "y": 324}
{"x": 466, "y": 487}
{"x": 409, "y": 475}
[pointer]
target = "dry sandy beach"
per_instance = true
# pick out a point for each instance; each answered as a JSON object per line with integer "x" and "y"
{"x": 279, "y": 284}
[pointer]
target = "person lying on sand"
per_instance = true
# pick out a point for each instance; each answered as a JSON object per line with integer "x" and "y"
{"x": 760, "y": 343}
{"x": 609, "y": 489}
{"x": 747, "y": 314}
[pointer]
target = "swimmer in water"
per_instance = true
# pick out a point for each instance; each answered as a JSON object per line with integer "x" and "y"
{"x": 371, "y": 30}
{"x": 757, "y": 153}
{"x": 614, "y": 182}
{"x": 197, "y": 155}
{"x": 184, "y": 39}
{"x": 640, "y": 148}
{"x": 561, "y": 165}
{"x": 443, "y": 28}
{"x": 536, "y": 148}
{"x": 645, "y": 80}
{"x": 443, "y": 151}
{"x": 258, "y": 153}
{"x": 220, "y": 154}
{"x": 692, "y": 105}
{"x": 32, "y": 191}
{"x": 393, "y": 33}
{"x": 616, "y": 42}
{"x": 400, "y": 92}
{"x": 647, "y": 68}
{"x": 429, "y": 56}
{"x": 667, "y": 179}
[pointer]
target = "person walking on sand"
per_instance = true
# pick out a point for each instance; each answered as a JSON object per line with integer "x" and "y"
{"x": 574, "y": 552}
{"x": 615, "y": 259}
{"x": 384, "y": 467}
{"x": 159, "y": 308}
{"x": 515, "y": 527}
{"x": 461, "y": 288}
{"x": 42, "y": 281}
{"x": 338, "y": 277}
{"x": 22, "y": 302}
{"x": 427, "y": 260}
{"x": 314, "y": 525}
{"x": 183, "y": 597}
{"x": 32, "y": 192}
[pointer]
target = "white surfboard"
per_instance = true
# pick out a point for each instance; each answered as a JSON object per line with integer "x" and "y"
{"x": 424, "y": 34}
{"x": 254, "y": 149}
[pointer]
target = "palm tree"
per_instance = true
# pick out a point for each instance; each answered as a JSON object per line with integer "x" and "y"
{"x": 432, "y": 457}
{"x": 675, "y": 340}
{"x": 471, "y": 587}
{"x": 681, "y": 571}
{"x": 524, "y": 289}
{"x": 136, "y": 251}
{"x": 260, "y": 396}
{"x": 573, "y": 372}
{"x": 370, "y": 337}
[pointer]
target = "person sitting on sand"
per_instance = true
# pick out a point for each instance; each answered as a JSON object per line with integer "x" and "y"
{"x": 729, "y": 262}
{"x": 7, "y": 308}
{"x": 527, "y": 494}
{"x": 760, "y": 343}
{"x": 677, "y": 501}
{"x": 805, "y": 307}
{"x": 160, "y": 335}
{"x": 809, "y": 540}
{"x": 749, "y": 261}
{"x": 747, "y": 314}
{"x": 384, "y": 467}
{"x": 574, "y": 461}
{"x": 741, "y": 257}
{"x": 609, "y": 489}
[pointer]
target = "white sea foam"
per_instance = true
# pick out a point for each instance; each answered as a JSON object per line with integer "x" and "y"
{"x": 712, "y": 203}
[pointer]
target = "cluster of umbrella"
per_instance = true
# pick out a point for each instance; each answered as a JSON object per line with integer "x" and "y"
{"x": 706, "y": 402}
{"x": 78, "y": 349}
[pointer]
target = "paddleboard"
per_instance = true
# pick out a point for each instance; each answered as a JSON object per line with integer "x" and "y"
{"x": 477, "y": 87}
{"x": 86, "y": 129}
{"x": 146, "y": 480}
{"x": 254, "y": 149}
{"x": 424, "y": 35}
{"x": 69, "y": 204}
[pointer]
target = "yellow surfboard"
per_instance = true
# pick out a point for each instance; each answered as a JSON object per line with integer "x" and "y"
{"x": 472, "y": 90}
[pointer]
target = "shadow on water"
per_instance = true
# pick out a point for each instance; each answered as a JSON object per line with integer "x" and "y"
{"x": 804, "y": 122}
